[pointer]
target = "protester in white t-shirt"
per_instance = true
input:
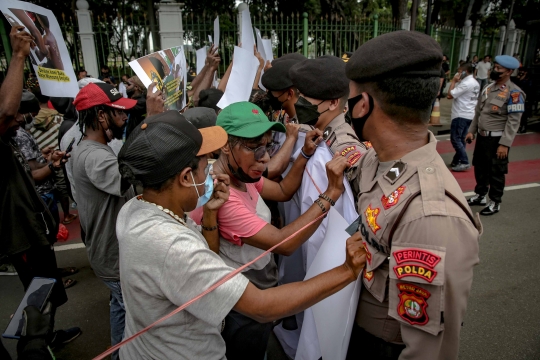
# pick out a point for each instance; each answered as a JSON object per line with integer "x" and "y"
{"x": 165, "y": 261}
{"x": 464, "y": 89}
{"x": 482, "y": 70}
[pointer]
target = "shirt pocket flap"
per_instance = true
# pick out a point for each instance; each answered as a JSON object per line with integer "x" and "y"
{"x": 496, "y": 101}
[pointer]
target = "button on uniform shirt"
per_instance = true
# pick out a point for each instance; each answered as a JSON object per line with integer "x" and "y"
{"x": 465, "y": 95}
{"x": 499, "y": 108}
{"x": 482, "y": 70}
{"x": 419, "y": 269}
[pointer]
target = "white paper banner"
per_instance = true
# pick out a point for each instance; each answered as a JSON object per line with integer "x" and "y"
{"x": 267, "y": 44}
{"x": 201, "y": 58}
{"x": 334, "y": 316}
{"x": 50, "y": 57}
{"x": 248, "y": 41}
{"x": 260, "y": 49}
{"x": 216, "y": 32}
{"x": 242, "y": 76}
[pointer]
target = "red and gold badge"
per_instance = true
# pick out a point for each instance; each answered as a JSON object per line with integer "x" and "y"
{"x": 347, "y": 150}
{"x": 419, "y": 271}
{"x": 495, "y": 108}
{"x": 368, "y": 253}
{"x": 416, "y": 255}
{"x": 371, "y": 218}
{"x": 393, "y": 199}
{"x": 515, "y": 97}
{"x": 353, "y": 158}
{"x": 367, "y": 144}
{"x": 368, "y": 275}
{"x": 413, "y": 303}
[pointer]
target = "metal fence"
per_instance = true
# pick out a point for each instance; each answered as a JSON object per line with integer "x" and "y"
{"x": 120, "y": 39}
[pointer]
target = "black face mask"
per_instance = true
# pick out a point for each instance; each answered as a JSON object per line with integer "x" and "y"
{"x": 306, "y": 112}
{"x": 495, "y": 75}
{"x": 274, "y": 102}
{"x": 130, "y": 93}
{"x": 358, "y": 123}
{"x": 239, "y": 174}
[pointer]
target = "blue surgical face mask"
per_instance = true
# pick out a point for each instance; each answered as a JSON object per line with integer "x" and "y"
{"x": 208, "y": 188}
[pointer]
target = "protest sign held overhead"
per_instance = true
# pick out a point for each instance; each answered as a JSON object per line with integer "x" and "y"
{"x": 48, "y": 54}
{"x": 167, "y": 68}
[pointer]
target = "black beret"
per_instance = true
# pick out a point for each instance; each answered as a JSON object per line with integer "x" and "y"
{"x": 322, "y": 78}
{"x": 277, "y": 77}
{"x": 209, "y": 98}
{"x": 201, "y": 117}
{"x": 399, "y": 53}
{"x": 291, "y": 56}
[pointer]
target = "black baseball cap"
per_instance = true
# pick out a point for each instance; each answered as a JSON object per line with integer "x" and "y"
{"x": 163, "y": 145}
{"x": 201, "y": 117}
{"x": 29, "y": 103}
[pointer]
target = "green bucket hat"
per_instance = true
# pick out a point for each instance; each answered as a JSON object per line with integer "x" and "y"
{"x": 246, "y": 120}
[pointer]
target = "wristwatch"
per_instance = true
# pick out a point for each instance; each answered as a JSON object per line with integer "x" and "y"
{"x": 52, "y": 167}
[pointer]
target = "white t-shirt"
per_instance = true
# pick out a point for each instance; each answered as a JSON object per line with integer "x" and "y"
{"x": 465, "y": 96}
{"x": 482, "y": 69}
{"x": 164, "y": 264}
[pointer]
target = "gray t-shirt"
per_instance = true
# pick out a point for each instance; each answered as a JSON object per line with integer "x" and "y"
{"x": 164, "y": 264}
{"x": 101, "y": 193}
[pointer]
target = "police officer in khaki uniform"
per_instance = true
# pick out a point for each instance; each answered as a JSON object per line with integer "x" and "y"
{"x": 498, "y": 114}
{"x": 324, "y": 91}
{"x": 419, "y": 233}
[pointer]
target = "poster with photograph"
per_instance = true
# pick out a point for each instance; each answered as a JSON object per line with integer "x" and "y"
{"x": 167, "y": 68}
{"x": 48, "y": 54}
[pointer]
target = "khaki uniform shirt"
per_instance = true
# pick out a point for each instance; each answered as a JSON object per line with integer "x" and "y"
{"x": 340, "y": 137}
{"x": 416, "y": 286}
{"x": 499, "y": 108}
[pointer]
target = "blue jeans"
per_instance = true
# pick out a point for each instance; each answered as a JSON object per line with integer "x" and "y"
{"x": 458, "y": 131}
{"x": 118, "y": 314}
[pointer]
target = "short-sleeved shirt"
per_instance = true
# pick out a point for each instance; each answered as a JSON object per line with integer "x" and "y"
{"x": 164, "y": 264}
{"x": 465, "y": 96}
{"x": 30, "y": 149}
{"x": 101, "y": 193}
{"x": 482, "y": 70}
{"x": 243, "y": 216}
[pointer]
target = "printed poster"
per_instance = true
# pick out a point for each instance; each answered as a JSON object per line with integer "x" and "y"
{"x": 48, "y": 54}
{"x": 167, "y": 68}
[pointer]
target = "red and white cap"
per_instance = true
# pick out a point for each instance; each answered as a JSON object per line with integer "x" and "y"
{"x": 95, "y": 94}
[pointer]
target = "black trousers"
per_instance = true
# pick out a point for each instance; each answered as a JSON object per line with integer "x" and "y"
{"x": 489, "y": 171}
{"x": 245, "y": 338}
{"x": 364, "y": 345}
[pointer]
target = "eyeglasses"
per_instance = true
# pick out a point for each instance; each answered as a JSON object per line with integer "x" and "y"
{"x": 261, "y": 151}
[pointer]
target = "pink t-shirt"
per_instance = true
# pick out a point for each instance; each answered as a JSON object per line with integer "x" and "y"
{"x": 238, "y": 218}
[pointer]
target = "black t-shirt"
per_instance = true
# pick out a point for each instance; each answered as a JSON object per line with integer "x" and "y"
{"x": 445, "y": 67}
{"x": 25, "y": 221}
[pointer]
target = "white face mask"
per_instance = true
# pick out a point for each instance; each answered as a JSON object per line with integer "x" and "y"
{"x": 208, "y": 187}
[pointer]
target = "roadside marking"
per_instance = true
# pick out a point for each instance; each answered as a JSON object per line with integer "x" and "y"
{"x": 509, "y": 188}
{"x": 69, "y": 247}
{"x": 470, "y": 193}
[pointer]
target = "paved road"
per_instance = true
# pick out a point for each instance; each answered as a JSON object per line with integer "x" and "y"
{"x": 502, "y": 322}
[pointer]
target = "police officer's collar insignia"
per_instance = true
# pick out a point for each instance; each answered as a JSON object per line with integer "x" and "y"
{"x": 395, "y": 171}
{"x": 327, "y": 132}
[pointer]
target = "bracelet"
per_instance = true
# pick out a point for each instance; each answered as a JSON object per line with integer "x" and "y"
{"x": 321, "y": 205}
{"x": 206, "y": 228}
{"x": 327, "y": 198}
{"x": 305, "y": 155}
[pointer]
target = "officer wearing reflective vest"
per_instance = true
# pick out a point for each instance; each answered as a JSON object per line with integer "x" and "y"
{"x": 496, "y": 121}
{"x": 419, "y": 232}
